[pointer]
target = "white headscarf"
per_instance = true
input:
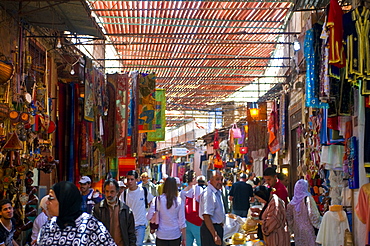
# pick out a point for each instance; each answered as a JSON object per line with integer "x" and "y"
{"x": 300, "y": 192}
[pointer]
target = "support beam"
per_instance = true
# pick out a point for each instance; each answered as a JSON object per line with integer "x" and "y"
{"x": 225, "y": 77}
{"x": 196, "y": 59}
{"x": 208, "y": 33}
{"x": 187, "y": 9}
{"x": 183, "y": 43}
{"x": 200, "y": 67}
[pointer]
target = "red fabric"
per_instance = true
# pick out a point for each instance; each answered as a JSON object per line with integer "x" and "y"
{"x": 333, "y": 123}
{"x": 335, "y": 27}
{"x": 273, "y": 128}
{"x": 192, "y": 211}
{"x": 281, "y": 192}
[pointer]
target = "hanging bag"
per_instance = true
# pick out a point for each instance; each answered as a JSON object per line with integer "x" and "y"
{"x": 243, "y": 150}
{"x": 216, "y": 143}
{"x": 217, "y": 162}
{"x": 236, "y": 132}
{"x": 154, "y": 221}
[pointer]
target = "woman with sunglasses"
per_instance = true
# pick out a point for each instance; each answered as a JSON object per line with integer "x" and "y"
{"x": 68, "y": 222}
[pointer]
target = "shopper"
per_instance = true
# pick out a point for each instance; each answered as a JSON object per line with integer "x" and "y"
{"x": 172, "y": 226}
{"x": 68, "y": 223}
{"x": 240, "y": 196}
{"x": 137, "y": 198}
{"x": 190, "y": 197}
{"x": 40, "y": 220}
{"x": 116, "y": 216}
{"x": 272, "y": 218}
{"x": 270, "y": 177}
{"x": 89, "y": 196}
{"x": 302, "y": 215}
{"x": 211, "y": 209}
{"x": 7, "y": 227}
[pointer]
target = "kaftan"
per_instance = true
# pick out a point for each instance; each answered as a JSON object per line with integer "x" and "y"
{"x": 274, "y": 226}
{"x": 332, "y": 229}
{"x": 362, "y": 208}
{"x": 302, "y": 223}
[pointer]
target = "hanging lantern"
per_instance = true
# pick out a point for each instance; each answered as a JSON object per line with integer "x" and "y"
{"x": 253, "y": 110}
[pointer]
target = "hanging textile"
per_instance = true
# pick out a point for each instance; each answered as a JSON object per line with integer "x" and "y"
{"x": 89, "y": 91}
{"x": 356, "y": 35}
{"x": 121, "y": 112}
{"x": 110, "y": 120}
{"x": 126, "y": 164}
{"x": 283, "y": 120}
{"x": 146, "y": 103}
{"x": 335, "y": 27}
{"x": 273, "y": 128}
{"x": 160, "y": 110}
{"x": 312, "y": 52}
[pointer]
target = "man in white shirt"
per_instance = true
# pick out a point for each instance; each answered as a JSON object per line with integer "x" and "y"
{"x": 211, "y": 209}
{"x": 138, "y": 200}
{"x": 250, "y": 180}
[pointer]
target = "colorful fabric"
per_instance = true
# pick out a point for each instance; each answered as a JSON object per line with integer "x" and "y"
{"x": 362, "y": 208}
{"x": 303, "y": 221}
{"x": 273, "y": 130}
{"x": 274, "y": 226}
{"x": 146, "y": 103}
{"x": 335, "y": 27}
{"x": 110, "y": 120}
{"x": 160, "y": 118}
{"x": 300, "y": 192}
{"x": 121, "y": 112}
{"x": 312, "y": 55}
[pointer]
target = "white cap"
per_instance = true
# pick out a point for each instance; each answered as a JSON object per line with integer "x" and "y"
{"x": 164, "y": 176}
{"x": 121, "y": 184}
{"x": 84, "y": 180}
{"x": 43, "y": 202}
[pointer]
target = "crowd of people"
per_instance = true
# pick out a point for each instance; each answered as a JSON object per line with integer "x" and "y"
{"x": 191, "y": 212}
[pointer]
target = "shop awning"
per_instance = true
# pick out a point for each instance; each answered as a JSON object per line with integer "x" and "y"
{"x": 73, "y": 16}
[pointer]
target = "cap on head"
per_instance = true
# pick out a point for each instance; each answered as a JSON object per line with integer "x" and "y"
{"x": 84, "y": 180}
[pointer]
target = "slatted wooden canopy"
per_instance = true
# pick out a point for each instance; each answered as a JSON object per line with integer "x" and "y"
{"x": 201, "y": 51}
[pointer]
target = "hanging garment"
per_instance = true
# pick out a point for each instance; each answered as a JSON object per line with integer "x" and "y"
{"x": 362, "y": 208}
{"x": 335, "y": 27}
{"x": 332, "y": 228}
{"x": 312, "y": 50}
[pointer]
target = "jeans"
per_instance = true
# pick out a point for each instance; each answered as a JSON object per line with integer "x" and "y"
{"x": 140, "y": 233}
{"x": 241, "y": 213}
{"x": 192, "y": 232}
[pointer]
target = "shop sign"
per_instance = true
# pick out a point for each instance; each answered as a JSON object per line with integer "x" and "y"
{"x": 180, "y": 151}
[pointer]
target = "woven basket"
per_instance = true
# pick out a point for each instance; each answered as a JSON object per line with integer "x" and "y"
{"x": 6, "y": 71}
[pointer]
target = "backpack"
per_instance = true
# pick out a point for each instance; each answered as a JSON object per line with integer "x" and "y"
{"x": 145, "y": 196}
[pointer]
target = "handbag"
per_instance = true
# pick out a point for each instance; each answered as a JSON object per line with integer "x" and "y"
{"x": 236, "y": 132}
{"x": 243, "y": 150}
{"x": 216, "y": 143}
{"x": 154, "y": 221}
{"x": 192, "y": 211}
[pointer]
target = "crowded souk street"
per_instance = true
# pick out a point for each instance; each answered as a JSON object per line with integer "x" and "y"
{"x": 198, "y": 122}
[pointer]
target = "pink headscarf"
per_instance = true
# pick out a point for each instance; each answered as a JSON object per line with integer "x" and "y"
{"x": 300, "y": 192}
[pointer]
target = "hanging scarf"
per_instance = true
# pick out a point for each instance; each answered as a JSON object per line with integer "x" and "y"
{"x": 300, "y": 192}
{"x": 69, "y": 198}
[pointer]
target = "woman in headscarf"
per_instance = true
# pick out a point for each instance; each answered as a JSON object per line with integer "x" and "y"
{"x": 68, "y": 222}
{"x": 303, "y": 215}
{"x": 272, "y": 218}
{"x": 172, "y": 226}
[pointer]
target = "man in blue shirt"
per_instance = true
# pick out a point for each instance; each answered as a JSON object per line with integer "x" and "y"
{"x": 211, "y": 209}
{"x": 89, "y": 197}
